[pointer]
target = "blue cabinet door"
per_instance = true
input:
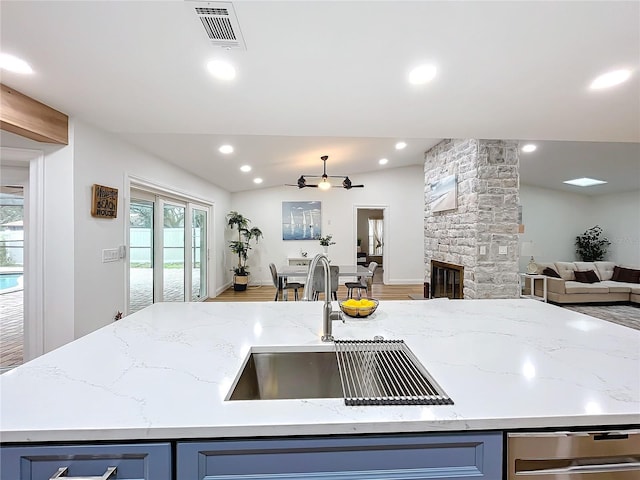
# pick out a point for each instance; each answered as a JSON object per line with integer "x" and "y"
{"x": 132, "y": 461}
{"x": 371, "y": 457}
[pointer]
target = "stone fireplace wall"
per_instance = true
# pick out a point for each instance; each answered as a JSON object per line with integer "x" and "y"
{"x": 481, "y": 234}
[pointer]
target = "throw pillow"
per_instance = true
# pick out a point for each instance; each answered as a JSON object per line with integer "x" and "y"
{"x": 627, "y": 275}
{"x": 586, "y": 277}
{"x": 550, "y": 272}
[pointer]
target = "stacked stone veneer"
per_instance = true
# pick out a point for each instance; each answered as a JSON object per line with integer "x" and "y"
{"x": 486, "y": 216}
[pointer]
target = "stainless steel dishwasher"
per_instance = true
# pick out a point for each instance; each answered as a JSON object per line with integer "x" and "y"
{"x": 601, "y": 455}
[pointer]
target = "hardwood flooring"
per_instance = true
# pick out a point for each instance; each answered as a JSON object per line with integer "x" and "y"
{"x": 267, "y": 293}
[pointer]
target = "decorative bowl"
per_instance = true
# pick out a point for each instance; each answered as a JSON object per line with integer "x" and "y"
{"x": 359, "y": 308}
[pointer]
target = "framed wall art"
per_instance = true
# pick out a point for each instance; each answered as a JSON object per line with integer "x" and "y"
{"x": 444, "y": 194}
{"x": 301, "y": 220}
{"x": 104, "y": 203}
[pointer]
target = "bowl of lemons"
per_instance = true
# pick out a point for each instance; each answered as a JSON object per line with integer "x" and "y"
{"x": 359, "y": 308}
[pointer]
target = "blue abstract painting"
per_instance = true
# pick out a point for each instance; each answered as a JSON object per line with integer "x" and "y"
{"x": 301, "y": 220}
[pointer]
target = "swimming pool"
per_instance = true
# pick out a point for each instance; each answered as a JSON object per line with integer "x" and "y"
{"x": 10, "y": 281}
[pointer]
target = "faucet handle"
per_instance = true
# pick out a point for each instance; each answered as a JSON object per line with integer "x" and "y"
{"x": 336, "y": 315}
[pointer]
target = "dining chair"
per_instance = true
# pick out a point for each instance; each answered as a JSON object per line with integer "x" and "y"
{"x": 362, "y": 283}
{"x": 282, "y": 284}
{"x": 318, "y": 281}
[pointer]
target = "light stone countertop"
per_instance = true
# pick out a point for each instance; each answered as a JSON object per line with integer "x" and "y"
{"x": 163, "y": 372}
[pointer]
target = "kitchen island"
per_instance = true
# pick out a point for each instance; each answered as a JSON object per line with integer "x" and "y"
{"x": 164, "y": 373}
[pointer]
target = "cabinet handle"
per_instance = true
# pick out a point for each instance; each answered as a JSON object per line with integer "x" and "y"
{"x": 62, "y": 472}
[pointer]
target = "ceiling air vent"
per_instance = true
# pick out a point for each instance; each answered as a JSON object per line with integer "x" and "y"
{"x": 220, "y": 24}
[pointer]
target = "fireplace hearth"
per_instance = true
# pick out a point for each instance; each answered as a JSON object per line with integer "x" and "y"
{"x": 447, "y": 280}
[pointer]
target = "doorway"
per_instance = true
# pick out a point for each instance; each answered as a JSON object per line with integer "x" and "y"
{"x": 371, "y": 236}
{"x": 21, "y": 254}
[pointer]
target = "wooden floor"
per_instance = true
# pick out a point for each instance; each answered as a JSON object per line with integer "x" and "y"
{"x": 267, "y": 293}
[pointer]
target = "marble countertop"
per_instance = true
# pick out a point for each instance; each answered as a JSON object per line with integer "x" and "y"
{"x": 164, "y": 372}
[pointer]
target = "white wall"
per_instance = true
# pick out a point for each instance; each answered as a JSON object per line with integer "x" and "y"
{"x": 619, "y": 217}
{"x": 553, "y": 219}
{"x": 399, "y": 189}
{"x": 103, "y": 159}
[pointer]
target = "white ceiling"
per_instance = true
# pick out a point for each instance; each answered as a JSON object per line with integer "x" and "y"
{"x": 329, "y": 78}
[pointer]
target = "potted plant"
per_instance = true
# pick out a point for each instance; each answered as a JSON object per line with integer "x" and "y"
{"x": 325, "y": 242}
{"x": 241, "y": 247}
{"x": 590, "y": 247}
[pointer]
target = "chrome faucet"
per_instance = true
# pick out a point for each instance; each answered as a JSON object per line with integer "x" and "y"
{"x": 328, "y": 314}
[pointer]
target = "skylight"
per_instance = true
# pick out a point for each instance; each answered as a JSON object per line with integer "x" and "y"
{"x": 584, "y": 182}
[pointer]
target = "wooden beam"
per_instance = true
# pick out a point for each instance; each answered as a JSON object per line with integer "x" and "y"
{"x": 29, "y": 118}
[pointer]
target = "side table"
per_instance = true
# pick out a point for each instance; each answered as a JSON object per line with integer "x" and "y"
{"x": 533, "y": 278}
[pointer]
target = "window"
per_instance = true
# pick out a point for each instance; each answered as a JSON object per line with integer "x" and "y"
{"x": 376, "y": 236}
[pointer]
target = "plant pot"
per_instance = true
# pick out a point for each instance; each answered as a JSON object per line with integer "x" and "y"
{"x": 325, "y": 249}
{"x": 240, "y": 282}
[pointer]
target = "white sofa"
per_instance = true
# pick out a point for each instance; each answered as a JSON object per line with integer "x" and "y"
{"x": 567, "y": 290}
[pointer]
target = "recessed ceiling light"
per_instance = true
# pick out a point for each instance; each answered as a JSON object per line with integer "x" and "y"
{"x": 14, "y": 64}
{"x": 257, "y": 180}
{"x": 226, "y": 149}
{"x": 584, "y": 182}
{"x": 422, "y": 74}
{"x": 610, "y": 79}
{"x": 529, "y": 147}
{"x": 383, "y": 161}
{"x": 245, "y": 168}
{"x": 400, "y": 145}
{"x": 221, "y": 70}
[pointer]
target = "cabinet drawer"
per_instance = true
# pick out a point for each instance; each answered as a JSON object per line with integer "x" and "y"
{"x": 378, "y": 457}
{"x": 132, "y": 461}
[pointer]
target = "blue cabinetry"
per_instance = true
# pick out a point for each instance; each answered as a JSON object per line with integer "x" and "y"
{"x": 371, "y": 457}
{"x": 132, "y": 461}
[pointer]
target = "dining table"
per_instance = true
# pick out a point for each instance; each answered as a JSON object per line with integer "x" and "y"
{"x": 300, "y": 271}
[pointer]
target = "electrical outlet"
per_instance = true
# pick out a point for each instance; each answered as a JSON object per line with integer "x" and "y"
{"x": 483, "y": 250}
{"x": 502, "y": 250}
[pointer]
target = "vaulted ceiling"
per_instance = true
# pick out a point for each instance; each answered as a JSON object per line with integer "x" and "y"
{"x": 330, "y": 78}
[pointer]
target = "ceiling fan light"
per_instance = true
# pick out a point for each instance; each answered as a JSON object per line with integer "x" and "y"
{"x": 324, "y": 184}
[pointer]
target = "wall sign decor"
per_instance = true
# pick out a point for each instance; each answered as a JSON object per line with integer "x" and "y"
{"x": 301, "y": 220}
{"x": 104, "y": 202}
{"x": 444, "y": 194}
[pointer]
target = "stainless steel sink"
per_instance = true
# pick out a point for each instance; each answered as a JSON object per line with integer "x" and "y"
{"x": 272, "y": 375}
{"x": 379, "y": 372}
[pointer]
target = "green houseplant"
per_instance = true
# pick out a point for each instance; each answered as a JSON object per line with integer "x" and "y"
{"x": 241, "y": 247}
{"x": 590, "y": 246}
{"x": 325, "y": 242}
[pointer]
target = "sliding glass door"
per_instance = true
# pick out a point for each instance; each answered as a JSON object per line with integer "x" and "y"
{"x": 168, "y": 240}
{"x": 199, "y": 251}
{"x": 173, "y": 252}
{"x": 141, "y": 215}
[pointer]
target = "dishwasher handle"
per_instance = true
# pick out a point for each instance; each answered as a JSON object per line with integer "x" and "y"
{"x": 632, "y": 465}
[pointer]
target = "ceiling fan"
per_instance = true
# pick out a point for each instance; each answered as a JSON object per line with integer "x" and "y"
{"x": 324, "y": 184}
